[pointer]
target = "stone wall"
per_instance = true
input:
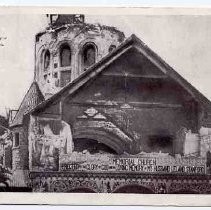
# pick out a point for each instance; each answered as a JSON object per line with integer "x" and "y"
{"x": 8, "y": 156}
{"x": 205, "y": 143}
{"x": 48, "y": 138}
{"x": 20, "y": 152}
{"x": 139, "y": 123}
{"x": 20, "y": 158}
{"x": 118, "y": 183}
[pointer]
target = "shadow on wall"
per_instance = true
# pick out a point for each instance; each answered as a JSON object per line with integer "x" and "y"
{"x": 81, "y": 190}
{"x": 15, "y": 189}
{"x": 92, "y": 146}
{"x": 135, "y": 189}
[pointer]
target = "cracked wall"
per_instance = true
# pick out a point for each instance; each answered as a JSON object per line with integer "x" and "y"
{"x": 48, "y": 138}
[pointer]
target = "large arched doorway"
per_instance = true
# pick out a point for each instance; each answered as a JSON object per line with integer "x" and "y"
{"x": 135, "y": 189}
{"x": 106, "y": 138}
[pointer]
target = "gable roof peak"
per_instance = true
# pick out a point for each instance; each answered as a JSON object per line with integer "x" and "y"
{"x": 130, "y": 42}
{"x": 31, "y": 99}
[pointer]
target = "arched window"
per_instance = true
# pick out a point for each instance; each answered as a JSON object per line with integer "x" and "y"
{"x": 65, "y": 56}
{"x": 88, "y": 55}
{"x": 46, "y": 60}
{"x": 17, "y": 139}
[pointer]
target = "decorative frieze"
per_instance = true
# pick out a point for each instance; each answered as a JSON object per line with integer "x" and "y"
{"x": 117, "y": 183}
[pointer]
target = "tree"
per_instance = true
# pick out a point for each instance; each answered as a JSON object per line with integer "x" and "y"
{"x": 5, "y": 140}
{"x": 3, "y": 125}
{"x": 5, "y": 137}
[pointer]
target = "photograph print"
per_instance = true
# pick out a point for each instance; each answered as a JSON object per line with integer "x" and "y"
{"x": 105, "y": 103}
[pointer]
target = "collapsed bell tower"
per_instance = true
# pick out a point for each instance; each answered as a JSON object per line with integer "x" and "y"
{"x": 68, "y": 47}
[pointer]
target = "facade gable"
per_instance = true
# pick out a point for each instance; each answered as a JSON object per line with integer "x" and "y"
{"x": 149, "y": 64}
{"x": 134, "y": 63}
{"x": 138, "y": 93}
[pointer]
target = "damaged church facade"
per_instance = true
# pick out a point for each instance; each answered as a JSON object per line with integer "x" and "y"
{"x": 106, "y": 114}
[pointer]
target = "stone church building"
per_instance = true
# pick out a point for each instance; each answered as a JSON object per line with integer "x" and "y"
{"x": 106, "y": 114}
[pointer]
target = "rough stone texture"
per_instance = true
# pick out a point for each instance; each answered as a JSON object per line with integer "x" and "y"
{"x": 20, "y": 178}
{"x": 76, "y": 36}
{"x": 118, "y": 183}
{"x": 132, "y": 100}
{"x": 8, "y": 156}
{"x": 140, "y": 120}
{"x": 32, "y": 98}
{"x": 20, "y": 153}
{"x": 20, "y": 159}
{"x": 136, "y": 97}
{"x": 205, "y": 145}
{"x": 192, "y": 144}
{"x": 48, "y": 138}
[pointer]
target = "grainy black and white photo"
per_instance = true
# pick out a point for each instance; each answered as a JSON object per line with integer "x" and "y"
{"x": 105, "y": 103}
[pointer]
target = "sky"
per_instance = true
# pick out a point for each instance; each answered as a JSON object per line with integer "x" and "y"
{"x": 184, "y": 42}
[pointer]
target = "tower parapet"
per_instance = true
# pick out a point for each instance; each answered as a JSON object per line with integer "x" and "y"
{"x": 55, "y": 20}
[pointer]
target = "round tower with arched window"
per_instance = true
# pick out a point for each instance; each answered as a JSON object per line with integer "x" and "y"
{"x": 68, "y": 47}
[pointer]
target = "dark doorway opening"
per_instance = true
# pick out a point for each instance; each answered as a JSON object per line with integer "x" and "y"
{"x": 82, "y": 190}
{"x": 88, "y": 55}
{"x": 185, "y": 192}
{"x": 15, "y": 189}
{"x": 92, "y": 146}
{"x": 163, "y": 143}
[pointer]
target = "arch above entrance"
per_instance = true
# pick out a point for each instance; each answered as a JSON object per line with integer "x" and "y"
{"x": 101, "y": 136}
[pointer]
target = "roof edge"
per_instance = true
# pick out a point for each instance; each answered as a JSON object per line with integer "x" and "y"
{"x": 132, "y": 40}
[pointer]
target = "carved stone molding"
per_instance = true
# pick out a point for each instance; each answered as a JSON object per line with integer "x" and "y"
{"x": 197, "y": 188}
{"x": 123, "y": 183}
{"x": 72, "y": 184}
{"x": 110, "y": 183}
